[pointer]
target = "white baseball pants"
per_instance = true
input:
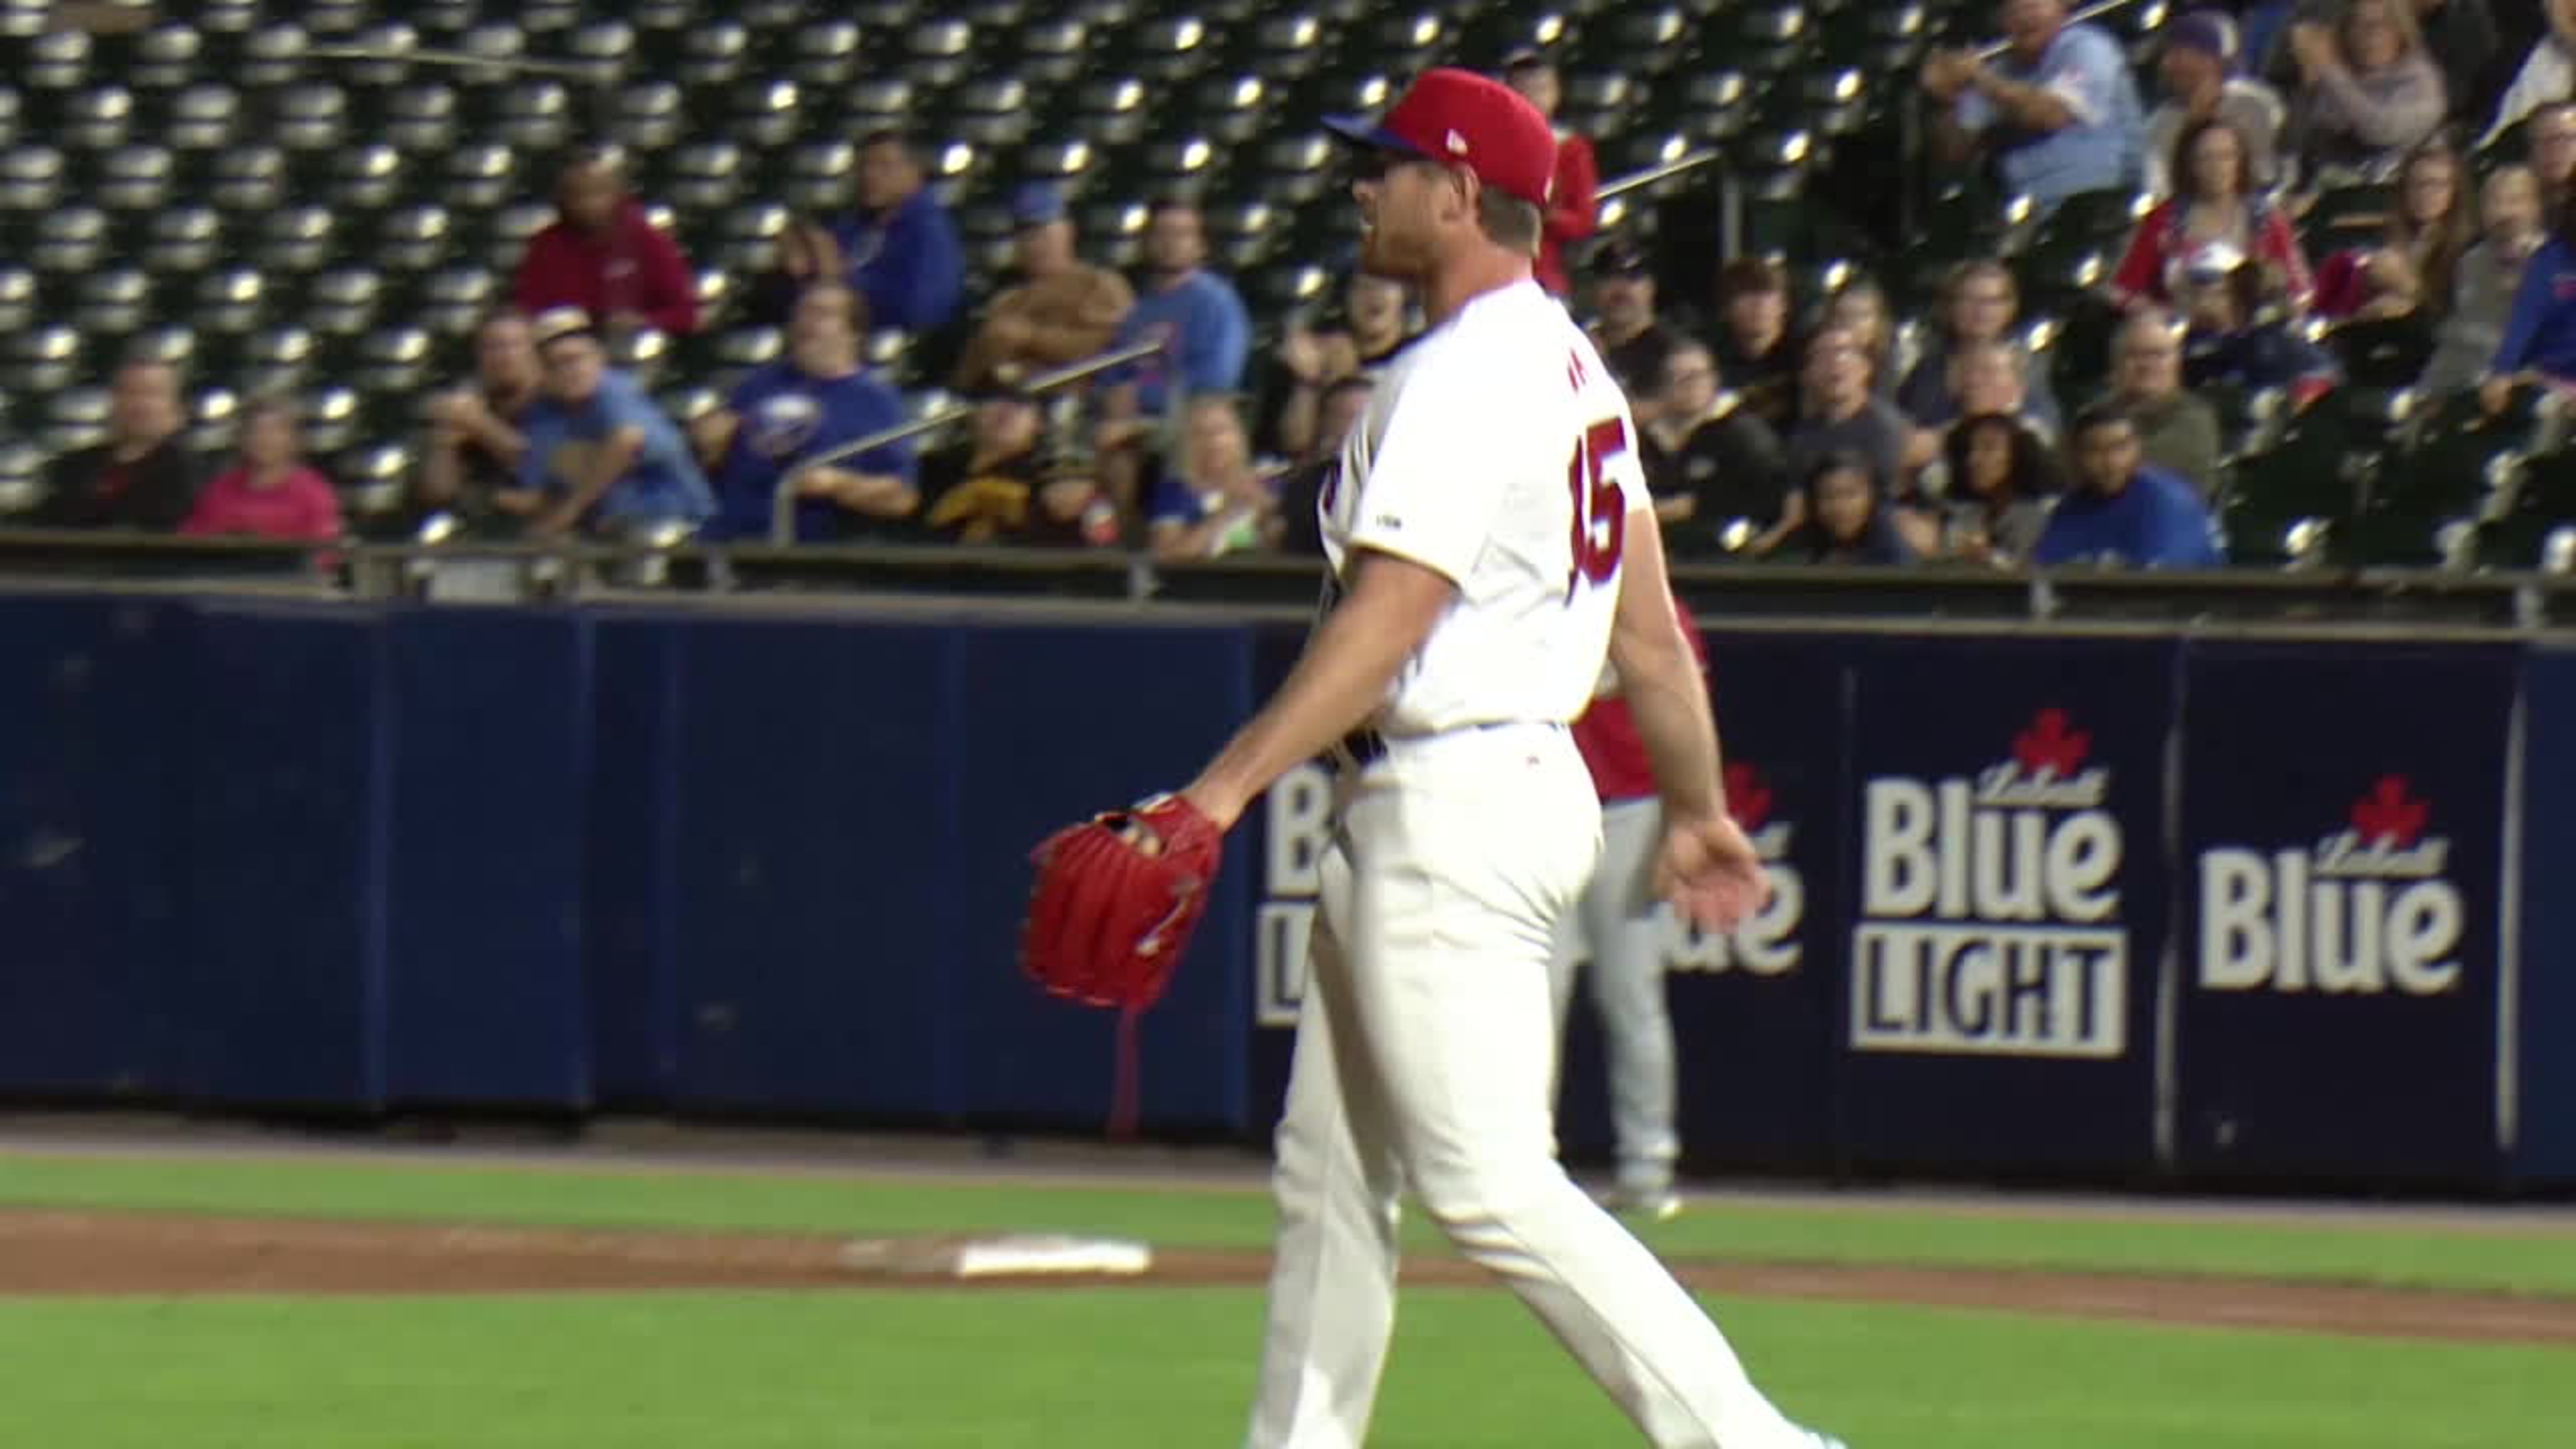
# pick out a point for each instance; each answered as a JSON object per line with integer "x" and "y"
{"x": 1617, "y": 924}
{"x": 1425, "y": 1051}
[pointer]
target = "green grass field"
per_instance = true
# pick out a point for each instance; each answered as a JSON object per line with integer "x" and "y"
{"x": 1125, "y": 1368}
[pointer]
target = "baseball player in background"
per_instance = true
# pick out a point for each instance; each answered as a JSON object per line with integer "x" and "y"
{"x": 1489, "y": 543}
{"x": 1618, "y": 926}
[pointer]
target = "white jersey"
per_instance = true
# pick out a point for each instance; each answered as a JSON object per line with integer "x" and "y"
{"x": 1497, "y": 451}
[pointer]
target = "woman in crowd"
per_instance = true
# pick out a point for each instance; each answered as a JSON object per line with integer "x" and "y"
{"x": 1213, "y": 499}
{"x": 2215, "y": 204}
{"x": 2368, "y": 91}
{"x": 2412, "y": 270}
{"x": 2001, "y": 478}
{"x": 2511, "y": 229}
{"x": 271, "y": 492}
{"x": 1979, "y": 303}
{"x": 1848, "y": 520}
{"x": 1861, "y": 306}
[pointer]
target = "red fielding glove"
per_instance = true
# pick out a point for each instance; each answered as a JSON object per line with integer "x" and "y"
{"x": 1116, "y": 900}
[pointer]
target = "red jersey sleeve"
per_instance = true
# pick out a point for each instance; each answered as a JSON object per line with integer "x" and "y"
{"x": 2142, "y": 270}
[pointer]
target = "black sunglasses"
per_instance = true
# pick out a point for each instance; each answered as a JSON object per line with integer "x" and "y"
{"x": 1372, "y": 163}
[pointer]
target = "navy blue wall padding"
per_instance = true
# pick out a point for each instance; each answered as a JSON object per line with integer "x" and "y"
{"x": 1059, "y": 724}
{"x": 491, "y": 761}
{"x": 281, "y": 991}
{"x": 354, "y": 858}
{"x": 630, "y": 895}
{"x": 91, "y": 731}
{"x": 815, "y": 940}
{"x": 2544, "y": 1017}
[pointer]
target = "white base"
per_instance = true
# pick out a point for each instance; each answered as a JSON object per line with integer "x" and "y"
{"x": 1009, "y": 1255}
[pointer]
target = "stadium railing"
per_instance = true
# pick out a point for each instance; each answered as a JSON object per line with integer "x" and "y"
{"x": 1927, "y": 599}
{"x": 782, "y": 506}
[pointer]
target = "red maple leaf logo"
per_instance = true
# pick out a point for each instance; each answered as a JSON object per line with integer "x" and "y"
{"x": 2049, "y": 747}
{"x": 2387, "y": 814}
{"x": 1747, "y": 798}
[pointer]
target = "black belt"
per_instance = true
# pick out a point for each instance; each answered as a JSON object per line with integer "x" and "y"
{"x": 1364, "y": 747}
{"x": 1361, "y": 748}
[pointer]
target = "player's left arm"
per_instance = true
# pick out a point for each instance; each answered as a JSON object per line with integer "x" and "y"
{"x": 1707, "y": 867}
{"x": 1660, "y": 675}
{"x": 1390, "y": 610}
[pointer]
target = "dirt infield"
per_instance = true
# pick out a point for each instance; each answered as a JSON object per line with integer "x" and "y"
{"x": 58, "y": 1253}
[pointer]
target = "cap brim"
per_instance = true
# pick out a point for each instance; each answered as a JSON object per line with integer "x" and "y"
{"x": 1369, "y": 135}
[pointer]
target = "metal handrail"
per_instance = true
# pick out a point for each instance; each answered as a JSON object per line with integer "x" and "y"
{"x": 2089, "y": 12}
{"x": 592, "y": 72}
{"x": 782, "y": 500}
{"x": 1690, "y": 161}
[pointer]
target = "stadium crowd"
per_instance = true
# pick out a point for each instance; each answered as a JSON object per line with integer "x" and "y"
{"x": 1788, "y": 412}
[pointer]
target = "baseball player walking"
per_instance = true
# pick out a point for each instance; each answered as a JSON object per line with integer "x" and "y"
{"x": 1490, "y": 543}
{"x": 1618, "y": 927}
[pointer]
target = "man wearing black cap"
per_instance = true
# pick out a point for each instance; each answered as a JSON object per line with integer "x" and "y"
{"x": 2197, "y": 65}
{"x": 1493, "y": 559}
{"x": 1632, "y": 339}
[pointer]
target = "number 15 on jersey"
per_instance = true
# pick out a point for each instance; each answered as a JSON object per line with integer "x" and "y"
{"x": 1600, "y": 514}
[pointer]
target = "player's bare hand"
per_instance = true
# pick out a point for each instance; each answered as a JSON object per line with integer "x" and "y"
{"x": 1711, "y": 873}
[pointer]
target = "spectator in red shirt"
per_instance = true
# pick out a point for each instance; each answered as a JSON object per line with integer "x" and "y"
{"x": 603, "y": 255}
{"x": 2216, "y": 203}
{"x": 1574, "y": 198}
{"x": 272, "y": 492}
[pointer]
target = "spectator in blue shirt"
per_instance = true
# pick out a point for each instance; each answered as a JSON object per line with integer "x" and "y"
{"x": 2058, "y": 114}
{"x": 2539, "y": 344}
{"x": 2123, "y": 510}
{"x": 1195, "y": 313}
{"x": 606, "y": 458}
{"x": 2239, "y": 333}
{"x": 898, "y": 249}
{"x": 1205, "y": 333}
{"x": 812, "y": 401}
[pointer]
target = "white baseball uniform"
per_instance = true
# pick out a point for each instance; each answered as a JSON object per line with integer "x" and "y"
{"x": 1467, "y": 826}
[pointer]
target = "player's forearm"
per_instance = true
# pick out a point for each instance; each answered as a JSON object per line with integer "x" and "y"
{"x": 1669, "y": 702}
{"x": 1340, "y": 681}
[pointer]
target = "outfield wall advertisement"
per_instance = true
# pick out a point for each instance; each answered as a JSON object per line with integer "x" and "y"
{"x": 2080, "y": 906}
{"x": 2102, "y": 906}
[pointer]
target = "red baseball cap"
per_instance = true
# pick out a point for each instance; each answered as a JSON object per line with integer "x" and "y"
{"x": 1459, "y": 118}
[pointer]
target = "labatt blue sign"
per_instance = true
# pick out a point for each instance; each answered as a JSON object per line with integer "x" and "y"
{"x": 2007, "y": 897}
{"x": 2364, "y": 909}
{"x": 2343, "y": 823}
{"x": 1990, "y": 906}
